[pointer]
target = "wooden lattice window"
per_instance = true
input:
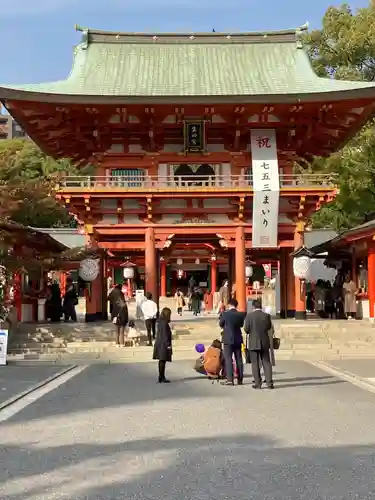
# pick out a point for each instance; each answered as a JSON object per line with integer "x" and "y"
{"x": 128, "y": 177}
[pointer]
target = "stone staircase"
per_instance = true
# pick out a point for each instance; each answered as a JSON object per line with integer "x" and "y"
{"x": 312, "y": 339}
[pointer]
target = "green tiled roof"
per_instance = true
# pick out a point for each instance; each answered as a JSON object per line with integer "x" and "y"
{"x": 247, "y": 67}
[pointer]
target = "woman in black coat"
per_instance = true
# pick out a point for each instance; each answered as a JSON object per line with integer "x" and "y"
{"x": 163, "y": 343}
{"x": 121, "y": 321}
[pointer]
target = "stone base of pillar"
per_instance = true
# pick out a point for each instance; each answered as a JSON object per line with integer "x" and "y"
{"x": 300, "y": 315}
{"x": 93, "y": 317}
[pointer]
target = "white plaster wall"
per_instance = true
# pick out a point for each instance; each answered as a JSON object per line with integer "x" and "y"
{"x": 128, "y": 203}
{"x": 174, "y": 148}
{"x": 163, "y": 174}
{"x": 173, "y": 203}
{"x": 171, "y": 219}
{"x": 116, "y": 148}
{"x": 131, "y": 219}
{"x": 109, "y": 219}
{"x": 108, "y": 204}
{"x": 135, "y": 148}
{"x": 216, "y": 203}
{"x": 215, "y": 148}
{"x": 219, "y": 219}
{"x": 217, "y": 119}
{"x": 284, "y": 219}
{"x": 226, "y": 173}
{"x": 170, "y": 119}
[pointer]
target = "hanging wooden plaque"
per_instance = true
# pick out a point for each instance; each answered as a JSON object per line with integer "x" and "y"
{"x": 194, "y": 136}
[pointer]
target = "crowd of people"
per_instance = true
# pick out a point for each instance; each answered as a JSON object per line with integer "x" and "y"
{"x": 60, "y": 305}
{"x": 337, "y": 300}
{"x": 224, "y": 359}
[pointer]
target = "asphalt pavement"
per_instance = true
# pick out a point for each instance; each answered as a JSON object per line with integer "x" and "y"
{"x": 112, "y": 432}
{"x": 17, "y": 378}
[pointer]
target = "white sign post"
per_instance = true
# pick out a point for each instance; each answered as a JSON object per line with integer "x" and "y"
{"x": 266, "y": 186}
{"x": 3, "y": 347}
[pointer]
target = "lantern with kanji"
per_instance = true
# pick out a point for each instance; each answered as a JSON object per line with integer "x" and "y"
{"x": 128, "y": 273}
{"x": 302, "y": 263}
{"x": 248, "y": 270}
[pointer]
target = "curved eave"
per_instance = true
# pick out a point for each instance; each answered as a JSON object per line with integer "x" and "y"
{"x": 7, "y": 93}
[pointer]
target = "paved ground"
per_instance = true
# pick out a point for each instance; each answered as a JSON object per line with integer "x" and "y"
{"x": 112, "y": 433}
{"x": 15, "y": 379}
{"x": 364, "y": 368}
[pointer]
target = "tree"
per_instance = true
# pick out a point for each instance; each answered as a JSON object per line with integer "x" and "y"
{"x": 31, "y": 175}
{"x": 345, "y": 49}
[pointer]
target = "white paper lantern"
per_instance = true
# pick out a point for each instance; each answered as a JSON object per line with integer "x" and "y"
{"x": 128, "y": 273}
{"x": 179, "y": 262}
{"x": 197, "y": 261}
{"x": 248, "y": 271}
{"x": 89, "y": 269}
{"x": 301, "y": 267}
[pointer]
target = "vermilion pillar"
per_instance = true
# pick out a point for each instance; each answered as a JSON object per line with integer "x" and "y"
{"x": 283, "y": 273}
{"x": 371, "y": 279}
{"x": 93, "y": 300}
{"x": 151, "y": 272}
{"x": 299, "y": 285}
{"x": 213, "y": 276}
{"x": 240, "y": 254}
{"x": 163, "y": 278}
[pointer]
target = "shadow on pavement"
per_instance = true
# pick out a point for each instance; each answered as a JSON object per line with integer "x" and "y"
{"x": 221, "y": 467}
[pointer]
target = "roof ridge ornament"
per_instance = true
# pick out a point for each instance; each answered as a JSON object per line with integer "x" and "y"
{"x": 299, "y": 33}
{"x": 85, "y": 36}
{"x": 302, "y": 28}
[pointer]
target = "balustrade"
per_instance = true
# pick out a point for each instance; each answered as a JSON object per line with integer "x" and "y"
{"x": 182, "y": 183}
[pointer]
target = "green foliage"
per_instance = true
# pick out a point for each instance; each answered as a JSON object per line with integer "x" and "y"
{"x": 31, "y": 176}
{"x": 345, "y": 49}
{"x": 345, "y": 46}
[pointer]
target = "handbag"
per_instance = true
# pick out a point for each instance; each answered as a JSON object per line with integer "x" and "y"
{"x": 114, "y": 321}
{"x": 247, "y": 356}
{"x": 276, "y": 343}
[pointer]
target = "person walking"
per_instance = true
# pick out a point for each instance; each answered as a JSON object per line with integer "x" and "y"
{"x": 121, "y": 321}
{"x": 224, "y": 296}
{"x": 150, "y": 312}
{"x": 350, "y": 304}
{"x": 259, "y": 330}
{"x": 196, "y": 298}
{"x": 70, "y": 301}
{"x": 115, "y": 297}
{"x": 231, "y": 321}
{"x": 180, "y": 301}
{"x": 163, "y": 344}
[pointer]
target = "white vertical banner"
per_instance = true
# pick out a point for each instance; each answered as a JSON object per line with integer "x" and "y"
{"x": 266, "y": 186}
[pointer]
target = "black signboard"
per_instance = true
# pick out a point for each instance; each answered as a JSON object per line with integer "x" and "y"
{"x": 194, "y": 136}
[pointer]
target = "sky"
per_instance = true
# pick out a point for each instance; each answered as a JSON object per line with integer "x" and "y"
{"x": 37, "y": 36}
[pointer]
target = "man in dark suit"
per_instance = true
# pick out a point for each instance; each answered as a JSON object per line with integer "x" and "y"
{"x": 259, "y": 330}
{"x": 231, "y": 321}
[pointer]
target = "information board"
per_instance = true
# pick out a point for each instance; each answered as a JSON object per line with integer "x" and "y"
{"x": 3, "y": 347}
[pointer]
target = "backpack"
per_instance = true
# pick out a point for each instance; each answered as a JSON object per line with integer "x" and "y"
{"x": 212, "y": 361}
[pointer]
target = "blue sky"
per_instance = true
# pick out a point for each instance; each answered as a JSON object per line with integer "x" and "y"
{"x": 38, "y": 35}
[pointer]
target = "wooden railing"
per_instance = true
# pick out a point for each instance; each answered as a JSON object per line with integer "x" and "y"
{"x": 196, "y": 183}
